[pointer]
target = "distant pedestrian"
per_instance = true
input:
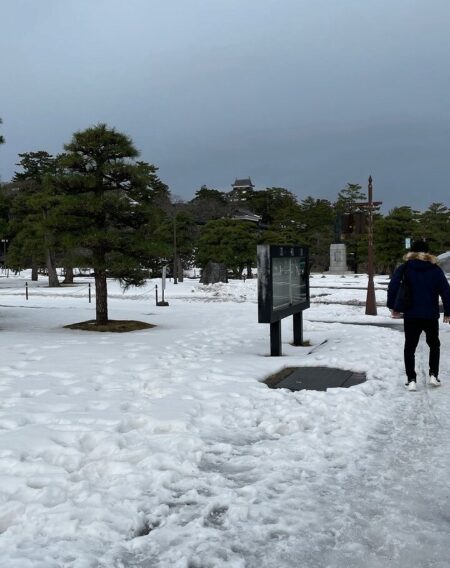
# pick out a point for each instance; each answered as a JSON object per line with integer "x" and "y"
{"x": 427, "y": 283}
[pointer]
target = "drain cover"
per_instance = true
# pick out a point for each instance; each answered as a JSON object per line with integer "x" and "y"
{"x": 314, "y": 378}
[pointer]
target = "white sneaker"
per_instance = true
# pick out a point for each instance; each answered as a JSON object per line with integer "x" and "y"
{"x": 435, "y": 381}
{"x": 411, "y": 386}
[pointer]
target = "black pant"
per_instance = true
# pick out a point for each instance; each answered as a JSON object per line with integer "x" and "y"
{"x": 413, "y": 329}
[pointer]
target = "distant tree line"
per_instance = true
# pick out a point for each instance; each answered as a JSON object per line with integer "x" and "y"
{"x": 97, "y": 205}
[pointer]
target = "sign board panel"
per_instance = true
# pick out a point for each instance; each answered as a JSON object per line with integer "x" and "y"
{"x": 283, "y": 282}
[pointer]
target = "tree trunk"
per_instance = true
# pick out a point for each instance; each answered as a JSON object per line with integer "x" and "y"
{"x": 101, "y": 297}
{"x": 53, "y": 281}
{"x": 179, "y": 270}
{"x": 68, "y": 275}
{"x": 214, "y": 272}
{"x": 34, "y": 270}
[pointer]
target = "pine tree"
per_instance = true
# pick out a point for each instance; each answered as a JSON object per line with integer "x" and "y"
{"x": 180, "y": 233}
{"x": 434, "y": 225}
{"x": 346, "y": 219}
{"x": 32, "y": 211}
{"x": 109, "y": 208}
{"x": 4, "y": 214}
{"x": 273, "y": 204}
{"x": 317, "y": 217}
{"x": 3, "y": 206}
{"x": 228, "y": 242}
{"x": 390, "y": 233}
{"x": 208, "y": 204}
{"x": 348, "y": 198}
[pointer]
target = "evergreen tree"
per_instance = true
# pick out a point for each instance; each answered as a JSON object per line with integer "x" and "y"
{"x": 348, "y": 198}
{"x": 206, "y": 193}
{"x": 229, "y": 242}
{"x": 390, "y": 233}
{"x": 4, "y": 210}
{"x": 280, "y": 216}
{"x": 4, "y": 214}
{"x": 317, "y": 217}
{"x": 110, "y": 208}
{"x": 434, "y": 225}
{"x": 33, "y": 209}
{"x": 273, "y": 205}
{"x": 347, "y": 208}
{"x": 208, "y": 204}
{"x": 179, "y": 233}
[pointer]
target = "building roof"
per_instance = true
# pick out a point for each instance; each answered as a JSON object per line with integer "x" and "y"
{"x": 246, "y": 182}
{"x": 245, "y": 215}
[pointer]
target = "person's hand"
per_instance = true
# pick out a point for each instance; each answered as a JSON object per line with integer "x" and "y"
{"x": 396, "y": 315}
{"x": 446, "y": 319}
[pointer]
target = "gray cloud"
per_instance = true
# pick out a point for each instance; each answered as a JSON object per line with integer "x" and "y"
{"x": 305, "y": 95}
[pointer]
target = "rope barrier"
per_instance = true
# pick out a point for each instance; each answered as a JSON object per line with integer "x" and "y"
{"x": 75, "y": 292}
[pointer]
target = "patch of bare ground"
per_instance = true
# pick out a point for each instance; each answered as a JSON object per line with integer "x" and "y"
{"x": 118, "y": 326}
{"x": 276, "y": 378}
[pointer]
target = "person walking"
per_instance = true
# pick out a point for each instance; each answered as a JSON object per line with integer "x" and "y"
{"x": 426, "y": 282}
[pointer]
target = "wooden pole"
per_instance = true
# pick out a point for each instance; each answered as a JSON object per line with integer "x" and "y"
{"x": 175, "y": 260}
{"x": 371, "y": 304}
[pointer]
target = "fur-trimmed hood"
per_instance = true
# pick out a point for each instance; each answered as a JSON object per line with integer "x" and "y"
{"x": 425, "y": 256}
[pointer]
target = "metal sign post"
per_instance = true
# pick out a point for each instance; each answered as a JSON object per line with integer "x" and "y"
{"x": 297, "y": 320}
{"x": 163, "y": 287}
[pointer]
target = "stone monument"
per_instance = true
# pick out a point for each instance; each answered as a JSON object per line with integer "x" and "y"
{"x": 338, "y": 259}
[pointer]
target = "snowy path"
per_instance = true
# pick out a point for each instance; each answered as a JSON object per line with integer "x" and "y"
{"x": 394, "y": 510}
{"x": 391, "y": 510}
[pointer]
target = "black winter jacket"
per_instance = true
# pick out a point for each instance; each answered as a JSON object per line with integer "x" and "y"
{"x": 427, "y": 282}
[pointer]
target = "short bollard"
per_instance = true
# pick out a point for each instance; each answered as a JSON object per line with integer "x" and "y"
{"x": 162, "y": 302}
{"x": 26, "y": 290}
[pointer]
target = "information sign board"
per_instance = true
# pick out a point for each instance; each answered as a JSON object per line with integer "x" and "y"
{"x": 283, "y": 282}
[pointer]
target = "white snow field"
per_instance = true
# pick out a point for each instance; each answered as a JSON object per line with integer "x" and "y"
{"x": 163, "y": 448}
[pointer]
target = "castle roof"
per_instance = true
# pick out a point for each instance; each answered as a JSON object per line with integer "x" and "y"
{"x": 245, "y": 182}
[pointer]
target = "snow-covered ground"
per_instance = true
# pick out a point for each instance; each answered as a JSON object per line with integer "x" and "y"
{"x": 163, "y": 448}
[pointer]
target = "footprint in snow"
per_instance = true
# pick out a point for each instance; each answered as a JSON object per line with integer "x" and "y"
{"x": 61, "y": 375}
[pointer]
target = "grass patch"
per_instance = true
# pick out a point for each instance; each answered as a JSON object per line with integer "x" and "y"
{"x": 306, "y": 343}
{"x": 118, "y": 326}
{"x": 274, "y": 379}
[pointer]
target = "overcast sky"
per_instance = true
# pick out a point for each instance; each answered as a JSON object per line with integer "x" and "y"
{"x": 302, "y": 94}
